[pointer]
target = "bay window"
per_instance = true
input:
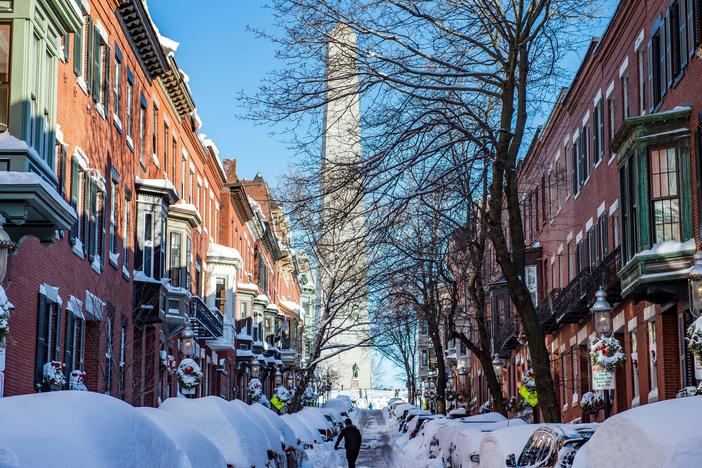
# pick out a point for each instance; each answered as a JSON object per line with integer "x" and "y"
{"x": 5, "y": 44}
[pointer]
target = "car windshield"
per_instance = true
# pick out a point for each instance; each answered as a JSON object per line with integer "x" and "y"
{"x": 537, "y": 450}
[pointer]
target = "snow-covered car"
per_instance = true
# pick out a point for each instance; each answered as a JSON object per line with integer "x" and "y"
{"x": 198, "y": 448}
{"x": 459, "y": 440}
{"x": 399, "y": 409}
{"x": 457, "y": 413}
{"x": 240, "y": 442}
{"x": 271, "y": 437}
{"x": 410, "y": 416}
{"x": 417, "y": 423}
{"x": 663, "y": 434}
{"x": 57, "y": 429}
{"x": 334, "y": 417}
{"x": 554, "y": 446}
{"x": 292, "y": 453}
{"x": 305, "y": 433}
{"x": 501, "y": 447}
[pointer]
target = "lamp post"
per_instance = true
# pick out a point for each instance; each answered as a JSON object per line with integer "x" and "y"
{"x": 255, "y": 369}
{"x": 187, "y": 340}
{"x": 278, "y": 379}
{"x": 6, "y": 245}
{"x": 498, "y": 364}
{"x": 694, "y": 278}
{"x": 602, "y": 312}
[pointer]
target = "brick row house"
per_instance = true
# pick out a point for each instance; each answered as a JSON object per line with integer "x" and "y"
{"x": 611, "y": 198}
{"x": 128, "y": 226}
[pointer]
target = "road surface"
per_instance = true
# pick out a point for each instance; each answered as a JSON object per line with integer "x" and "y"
{"x": 376, "y": 449}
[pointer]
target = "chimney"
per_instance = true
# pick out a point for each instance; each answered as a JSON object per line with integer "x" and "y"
{"x": 230, "y": 170}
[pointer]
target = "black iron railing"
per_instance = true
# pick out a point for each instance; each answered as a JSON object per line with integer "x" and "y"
{"x": 206, "y": 323}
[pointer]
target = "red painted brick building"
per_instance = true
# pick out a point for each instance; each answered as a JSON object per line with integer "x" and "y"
{"x": 133, "y": 231}
{"x": 611, "y": 197}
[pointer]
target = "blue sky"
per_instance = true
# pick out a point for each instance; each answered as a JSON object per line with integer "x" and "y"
{"x": 222, "y": 58}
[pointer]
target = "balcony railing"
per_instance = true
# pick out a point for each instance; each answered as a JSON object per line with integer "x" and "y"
{"x": 506, "y": 337}
{"x": 546, "y": 310}
{"x": 207, "y": 324}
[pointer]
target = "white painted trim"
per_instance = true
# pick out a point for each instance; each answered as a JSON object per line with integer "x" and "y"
{"x": 51, "y": 293}
{"x": 569, "y": 237}
{"x": 618, "y": 321}
{"x": 560, "y": 248}
{"x": 576, "y": 134}
{"x": 598, "y": 98}
{"x": 614, "y": 207}
{"x": 82, "y": 158}
{"x": 589, "y": 224}
{"x": 582, "y": 335}
{"x": 566, "y": 140}
{"x": 623, "y": 66}
{"x": 639, "y": 40}
{"x": 601, "y": 209}
{"x": 610, "y": 90}
{"x": 631, "y": 324}
{"x": 579, "y": 236}
{"x": 586, "y": 118}
{"x": 573, "y": 340}
{"x": 653, "y": 395}
{"x": 553, "y": 259}
{"x": 103, "y": 31}
{"x": 558, "y": 156}
{"x": 650, "y": 312}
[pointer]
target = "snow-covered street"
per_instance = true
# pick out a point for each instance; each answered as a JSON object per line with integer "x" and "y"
{"x": 376, "y": 450}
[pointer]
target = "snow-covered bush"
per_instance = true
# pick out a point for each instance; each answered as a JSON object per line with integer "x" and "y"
{"x": 694, "y": 337}
{"x": 189, "y": 374}
{"x": 607, "y": 353}
{"x": 53, "y": 374}
{"x": 76, "y": 381}
{"x": 255, "y": 390}
{"x": 528, "y": 379}
{"x": 511, "y": 403}
{"x": 5, "y": 308}
{"x": 168, "y": 363}
{"x": 264, "y": 401}
{"x": 591, "y": 403}
{"x": 485, "y": 407}
{"x": 308, "y": 396}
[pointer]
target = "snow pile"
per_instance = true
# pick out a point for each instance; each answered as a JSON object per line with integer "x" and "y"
{"x": 663, "y": 434}
{"x": 496, "y": 446}
{"x": 458, "y": 413}
{"x": 218, "y": 420}
{"x": 260, "y": 430}
{"x": 694, "y": 337}
{"x": 669, "y": 247}
{"x": 198, "y": 448}
{"x": 57, "y": 429}
{"x": 5, "y": 309}
{"x": 607, "y": 353}
{"x": 591, "y": 403}
{"x": 324, "y": 456}
{"x": 53, "y": 374}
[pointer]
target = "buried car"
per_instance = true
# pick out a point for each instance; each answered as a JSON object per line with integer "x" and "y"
{"x": 553, "y": 446}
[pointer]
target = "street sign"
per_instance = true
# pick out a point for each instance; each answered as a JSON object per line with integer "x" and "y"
{"x": 529, "y": 396}
{"x": 602, "y": 379}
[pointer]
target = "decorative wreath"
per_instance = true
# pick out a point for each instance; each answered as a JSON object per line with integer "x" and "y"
{"x": 189, "y": 373}
{"x": 607, "y": 353}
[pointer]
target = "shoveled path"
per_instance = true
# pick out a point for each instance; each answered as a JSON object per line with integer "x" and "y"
{"x": 376, "y": 449}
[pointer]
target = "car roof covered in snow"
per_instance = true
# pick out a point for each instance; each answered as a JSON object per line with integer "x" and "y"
{"x": 198, "y": 448}
{"x": 287, "y": 435}
{"x": 52, "y": 429}
{"x": 497, "y": 445}
{"x": 241, "y": 443}
{"x": 303, "y": 431}
{"x": 314, "y": 417}
{"x": 267, "y": 431}
{"x": 666, "y": 433}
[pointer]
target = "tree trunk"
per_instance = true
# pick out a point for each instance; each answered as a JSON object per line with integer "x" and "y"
{"x": 434, "y": 332}
{"x": 498, "y": 399}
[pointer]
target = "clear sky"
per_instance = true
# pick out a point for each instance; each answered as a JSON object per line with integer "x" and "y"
{"x": 222, "y": 59}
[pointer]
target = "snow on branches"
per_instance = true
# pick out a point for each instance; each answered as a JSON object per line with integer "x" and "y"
{"x": 53, "y": 374}
{"x": 607, "y": 353}
{"x": 694, "y": 337}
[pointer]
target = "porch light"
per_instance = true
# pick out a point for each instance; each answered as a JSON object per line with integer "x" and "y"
{"x": 278, "y": 378}
{"x": 602, "y": 311}
{"x": 187, "y": 340}
{"x": 255, "y": 369}
{"x": 290, "y": 380}
{"x": 694, "y": 279}
{"x": 498, "y": 364}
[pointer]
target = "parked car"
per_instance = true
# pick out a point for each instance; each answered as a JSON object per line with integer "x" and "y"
{"x": 316, "y": 419}
{"x": 553, "y": 446}
{"x": 409, "y": 417}
{"x": 307, "y": 436}
{"x": 294, "y": 455}
{"x": 417, "y": 423}
{"x": 502, "y": 445}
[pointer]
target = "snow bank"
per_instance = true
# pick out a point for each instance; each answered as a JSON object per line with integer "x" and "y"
{"x": 315, "y": 418}
{"x": 324, "y": 456}
{"x": 198, "y": 448}
{"x": 663, "y": 434}
{"x": 260, "y": 428}
{"x": 86, "y": 429}
{"x": 219, "y": 421}
{"x": 497, "y": 445}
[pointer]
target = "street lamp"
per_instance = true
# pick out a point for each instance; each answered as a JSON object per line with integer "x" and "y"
{"x": 255, "y": 369}
{"x": 498, "y": 364}
{"x": 6, "y": 245}
{"x": 278, "y": 378}
{"x": 602, "y": 311}
{"x": 187, "y": 340}
{"x": 694, "y": 279}
{"x": 290, "y": 380}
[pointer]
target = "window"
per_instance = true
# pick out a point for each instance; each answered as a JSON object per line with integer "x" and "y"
{"x": 175, "y": 263}
{"x": 190, "y": 186}
{"x": 113, "y": 218}
{"x": 48, "y": 334}
{"x": 95, "y": 220}
{"x": 425, "y": 358}
{"x": 101, "y": 71}
{"x": 154, "y": 130}
{"x": 188, "y": 263}
{"x": 629, "y": 213}
{"x": 117, "y": 84}
{"x": 652, "y": 357}
{"x": 243, "y": 310}
{"x": 625, "y": 96}
{"x": 75, "y": 337}
{"x": 129, "y": 124}
{"x": 530, "y": 281}
{"x": 603, "y": 235}
{"x": 611, "y": 116}
{"x": 198, "y": 278}
{"x": 665, "y": 197}
{"x": 126, "y": 233}
{"x": 221, "y": 294}
{"x": 174, "y": 155}
{"x": 77, "y": 185}
{"x": 634, "y": 365}
{"x": 642, "y": 81}
{"x": 673, "y": 23}
{"x": 183, "y": 163}
{"x": 148, "y": 236}
{"x": 142, "y": 131}
{"x": 598, "y": 145}
{"x": 5, "y": 44}
{"x": 576, "y": 368}
{"x": 122, "y": 359}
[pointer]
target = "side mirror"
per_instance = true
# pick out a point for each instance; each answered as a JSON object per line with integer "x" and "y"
{"x": 475, "y": 457}
{"x": 511, "y": 460}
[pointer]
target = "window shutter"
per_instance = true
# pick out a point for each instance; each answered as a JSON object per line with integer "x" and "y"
{"x": 78, "y": 51}
{"x": 101, "y": 227}
{"x": 574, "y": 154}
{"x": 40, "y": 355}
{"x": 666, "y": 57}
{"x": 64, "y": 155}
{"x": 88, "y": 72}
{"x": 75, "y": 189}
{"x": 650, "y": 76}
{"x": 92, "y": 240}
{"x": 108, "y": 64}
{"x": 97, "y": 41}
{"x": 682, "y": 10}
{"x": 68, "y": 351}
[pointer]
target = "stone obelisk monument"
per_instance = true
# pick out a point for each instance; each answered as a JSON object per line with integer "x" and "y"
{"x": 343, "y": 240}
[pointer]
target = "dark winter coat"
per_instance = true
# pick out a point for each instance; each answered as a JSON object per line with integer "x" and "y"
{"x": 352, "y": 438}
